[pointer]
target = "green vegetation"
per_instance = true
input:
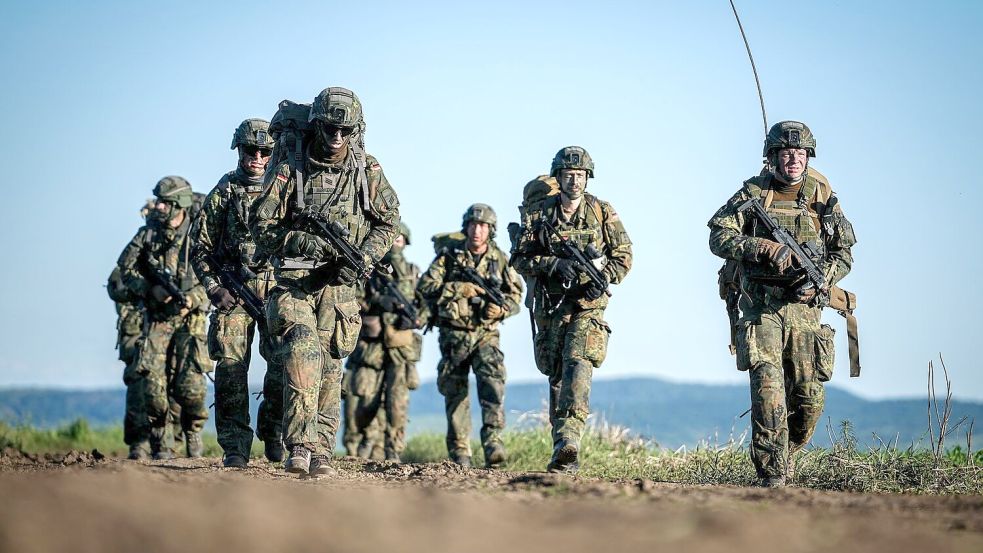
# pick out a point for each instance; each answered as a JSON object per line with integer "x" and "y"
{"x": 610, "y": 453}
{"x": 78, "y": 435}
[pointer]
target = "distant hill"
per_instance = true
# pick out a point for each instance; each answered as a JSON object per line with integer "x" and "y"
{"x": 673, "y": 414}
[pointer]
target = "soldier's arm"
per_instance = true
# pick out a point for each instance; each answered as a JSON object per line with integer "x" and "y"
{"x": 617, "y": 245}
{"x": 530, "y": 257}
{"x": 432, "y": 281}
{"x": 269, "y": 221}
{"x": 838, "y": 245}
{"x": 385, "y": 211}
{"x": 128, "y": 264}
{"x": 727, "y": 238}
{"x": 511, "y": 287}
{"x": 207, "y": 234}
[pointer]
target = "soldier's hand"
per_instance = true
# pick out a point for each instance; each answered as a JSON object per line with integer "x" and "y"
{"x": 493, "y": 312}
{"x": 347, "y": 276}
{"x": 388, "y": 303}
{"x": 777, "y": 256}
{"x": 566, "y": 268}
{"x": 468, "y": 290}
{"x": 160, "y": 294}
{"x": 593, "y": 291}
{"x": 222, "y": 298}
{"x": 307, "y": 245}
{"x": 805, "y": 294}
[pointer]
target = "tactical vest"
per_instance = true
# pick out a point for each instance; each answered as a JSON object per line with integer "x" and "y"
{"x": 459, "y": 312}
{"x": 171, "y": 248}
{"x": 585, "y": 230}
{"x": 801, "y": 218}
{"x": 237, "y": 243}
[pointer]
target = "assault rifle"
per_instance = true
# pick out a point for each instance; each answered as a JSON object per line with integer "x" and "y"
{"x": 407, "y": 312}
{"x": 489, "y": 289}
{"x": 165, "y": 278}
{"x": 584, "y": 263}
{"x": 804, "y": 254}
{"x": 833, "y": 296}
{"x": 235, "y": 281}
{"x": 337, "y": 236}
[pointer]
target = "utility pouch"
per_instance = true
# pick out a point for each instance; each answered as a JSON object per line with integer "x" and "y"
{"x": 824, "y": 353}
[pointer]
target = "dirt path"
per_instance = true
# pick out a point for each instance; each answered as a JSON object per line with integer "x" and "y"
{"x": 80, "y": 504}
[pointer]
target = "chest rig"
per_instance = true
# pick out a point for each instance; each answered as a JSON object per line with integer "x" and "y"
{"x": 170, "y": 249}
{"x": 583, "y": 229}
{"x": 237, "y": 243}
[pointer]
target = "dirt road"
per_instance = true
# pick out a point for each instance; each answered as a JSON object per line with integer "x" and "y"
{"x": 80, "y": 504}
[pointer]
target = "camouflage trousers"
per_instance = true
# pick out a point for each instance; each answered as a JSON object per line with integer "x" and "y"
{"x": 788, "y": 355}
{"x": 570, "y": 344}
{"x": 171, "y": 363}
{"x": 372, "y": 436}
{"x": 379, "y": 384}
{"x": 230, "y": 339}
{"x": 312, "y": 332}
{"x": 136, "y": 430}
{"x": 476, "y": 350}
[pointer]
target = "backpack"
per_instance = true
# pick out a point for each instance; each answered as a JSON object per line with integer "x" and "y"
{"x": 291, "y": 131}
{"x": 446, "y": 241}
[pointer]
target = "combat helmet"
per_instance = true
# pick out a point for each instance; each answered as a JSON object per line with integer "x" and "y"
{"x": 339, "y": 107}
{"x": 175, "y": 189}
{"x": 482, "y": 213}
{"x": 572, "y": 157}
{"x": 405, "y": 231}
{"x": 789, "y": 134}
{"x": 252, "y": 132}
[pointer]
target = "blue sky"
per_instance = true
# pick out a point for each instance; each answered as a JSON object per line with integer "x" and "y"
{"x": 465, "y": 102}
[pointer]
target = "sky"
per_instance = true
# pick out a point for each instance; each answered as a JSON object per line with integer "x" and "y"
{"x": 466, "y": 102}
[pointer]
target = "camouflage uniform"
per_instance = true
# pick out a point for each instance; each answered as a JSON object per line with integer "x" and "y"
{"x": 313, "y": 313}
{"x": 385, "y": 356}
{"x": 172, "y": 357}
{"x": 572, "y": 335}
{"x": 222, "y": 239}
{"x": 468, "y": 340}
{"x": 780, "y": 341}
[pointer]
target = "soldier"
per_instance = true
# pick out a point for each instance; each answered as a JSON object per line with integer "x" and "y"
{"x": 172, "y": 357}
{"x": 129, "y": 327}
{"x": 223, "y": 244}
{"x": 468, "y": 319}
{"x": 568, "y": 305}
{"x": 383, "y": 365}
{"x": 780, "y": 340}
{"x": 313, "y": 313}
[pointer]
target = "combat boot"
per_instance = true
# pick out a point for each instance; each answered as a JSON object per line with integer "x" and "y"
{"x": 235, "y": 461}
{"x": 462, "y": 459}
{"x": 139, "y": 452}
{"x": 273, "y": 450}
{"x": 321, "y": 465}
{"x": 392, "y": 456}
{"x": 494, "y": 456}
{"x": 299, "y": 461}
{"x": 157, "y": 450}
{"x": 365, "y": 449}
{"x": 565, "y": 457}
{"x": 193, "y": 445}
{"x": 773, "y": 482}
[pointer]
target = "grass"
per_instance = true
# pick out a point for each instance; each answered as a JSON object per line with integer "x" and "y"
{"x": 611, "y": 452}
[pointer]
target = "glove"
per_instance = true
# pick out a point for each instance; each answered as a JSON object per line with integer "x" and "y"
{"x": 777, "y": 256}
{"x": 160, "y": 294}
{"x": 566, "y": 268}
{"x": 307, "y": 245}
{"x": 593, "y": 291}
{"x": 468, "y": 290}
{"x": 493, "y": 312}
{"x": 405, "y": 324}
{"x": 222, "y": 298}
{"x": 804, "y": 294}
{"x": 347, "y": 276}
{"x": 387, "y": 303}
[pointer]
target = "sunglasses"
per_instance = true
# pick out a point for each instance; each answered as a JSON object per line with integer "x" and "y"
{"x": 330, "y": 130}
{"x": 251, "y": 151}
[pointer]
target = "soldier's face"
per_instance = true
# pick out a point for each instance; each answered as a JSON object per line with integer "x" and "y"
{"x": 573, "y": 182}
{"x": 477, "y": 233}
{"x": 398, "y": 244}
{"x": 334, "y": 138}
{"x": 792, "y": 162}
{"x": 165, "y": 211}
{"x": 254, "y": 160}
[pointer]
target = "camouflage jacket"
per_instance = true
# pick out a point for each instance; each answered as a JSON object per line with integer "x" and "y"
{"x": 444, "y": 287}
{"x": 153, "y": 249}
{"x": 222, "y": 229}
{"x": 594, "y": 223}
{"x": 804, "y": 213}
{"x": 373, "y": 301}
{"x": 369, "y": 213}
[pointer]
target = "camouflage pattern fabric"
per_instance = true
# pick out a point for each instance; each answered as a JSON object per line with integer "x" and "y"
{"x": 572, "y": 336}
{"x": 222, "y": 231}
{"x": 313, "y": 317}
{"x": 380, "y": 363}
{"x": 782, "y": 344}
{"x": 172, "y": 357}
{"x": 469, "y": 341}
